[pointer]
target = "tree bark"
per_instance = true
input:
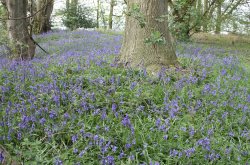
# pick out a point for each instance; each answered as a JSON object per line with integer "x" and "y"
{"x": 42, "y": 22}
{"x": 22, "y": 43}
{"x": 205, "y": 11}
{"x": 218, "y": 19}
{"x": 111, "y": 12}
{"x": 134, "y": 51}
{"x": 199, "y": 9}
{"x": 98, "y": 14}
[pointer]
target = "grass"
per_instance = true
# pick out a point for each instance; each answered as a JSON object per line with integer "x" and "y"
{"x": 77, "y": 107}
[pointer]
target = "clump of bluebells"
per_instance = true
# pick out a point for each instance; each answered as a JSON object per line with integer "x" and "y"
{"x": 77, "y": 107}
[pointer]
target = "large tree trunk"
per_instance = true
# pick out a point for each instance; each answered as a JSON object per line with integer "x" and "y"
{"x": 111, "y": 12}
{"x": 134, "y": 51}
{"x": 22, "y": 43}
{"x": 42, "y": 22}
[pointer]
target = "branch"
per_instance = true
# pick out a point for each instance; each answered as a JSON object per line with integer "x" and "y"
{"x": 232, "y": 9}
{"x": 39, "y": 45}
{"x": 204, "y": 14}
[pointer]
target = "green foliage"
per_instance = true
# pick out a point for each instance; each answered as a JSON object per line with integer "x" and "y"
{"x": 136, "y": 13}
{"x": 185, "y": 18}
{"x": 155, "y": 38}
{"x": 77, "y": 17}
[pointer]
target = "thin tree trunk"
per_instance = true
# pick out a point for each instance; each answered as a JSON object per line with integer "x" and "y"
{"x": 199, "y": 9}
{"x": 134, "y": 51}
{"x": 103, "y": 17}
{"x": 218, "y": 19}
{"x": 42, "y": 22}
{"x": 23, "y": 45}
{"x": 98, "y": 14}
{"x": 111, "y": 11}
{"x": 205, "y": 16}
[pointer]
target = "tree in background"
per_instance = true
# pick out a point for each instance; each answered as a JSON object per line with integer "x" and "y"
{"x": 111, "y": 13}
{"x": 190, "y": 16}
{"x": 76, "y": 16}
{"x": 147, "y": 40}
{"x": 22, "y": 44}
{"x": 98, "y": 13}
{"x": 44, "y": 9}
{"x": 218, "y": 17}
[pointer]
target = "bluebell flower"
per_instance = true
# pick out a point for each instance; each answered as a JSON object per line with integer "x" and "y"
{"x": 58, "y": 162}
{"x": 205, "y": 143}
{"x": 109, "y": 160}
{"x": 173, "y": 153}
{"x": 121, "y": 155}
{"x": 114, "y": 107}
{"x": 66, "y": 115}
{"x": 126, "y": 121}
{"x": 42, "y": 121}
{"x": 189, "y": 152}
{"x": 75, "y": 150}
{"x": 52, "y": 114}
{"x": 81, "y": 153}
{"x": 132, "y": 86}
{"x": 223, "y": 72}
{"x": 74, "y": 138}
{"x": 1, "y": 157}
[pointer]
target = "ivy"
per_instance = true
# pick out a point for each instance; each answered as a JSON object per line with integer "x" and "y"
{"x": 155, "y": 38}
{"x": 135, "y": 12}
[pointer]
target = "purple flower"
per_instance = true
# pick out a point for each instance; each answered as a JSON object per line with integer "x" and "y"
{"x": 109, "y": 160}
{"x": 58, "y": 162}
{"x": 56, "y": 99}
{"x": 1, "y": 157}
{"x": 207, "y": 88}
{"x": 205, "y": 143}
{"x": 132, "y": 86}
{"x": 158, "y": 122}
{"x": 75, "y": 150}
{"x": 223, "y": 72}
{"x": 189, "y": 152}
{"x": 114, "y": 107}
{"x": 126, "y": 121}
{"x": 66, "y": 116}
{"x": 191, "y": 131}
{"x": 81, "y": 153}
{"x": 114, "y": 148}
{"x": 128, "y": 145}
{"x": 19, "y": 135}
{"x": 104, "y": 115}
{"x": 42, "y": 121}
{"x": 74, "y": 138}
{"x": 52, "y": 114}
{"x": 121, "y": 155}
{"x": 224, "y": 115}
{"x": 231, "y": 134}
{"x": 174, "y": 153}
